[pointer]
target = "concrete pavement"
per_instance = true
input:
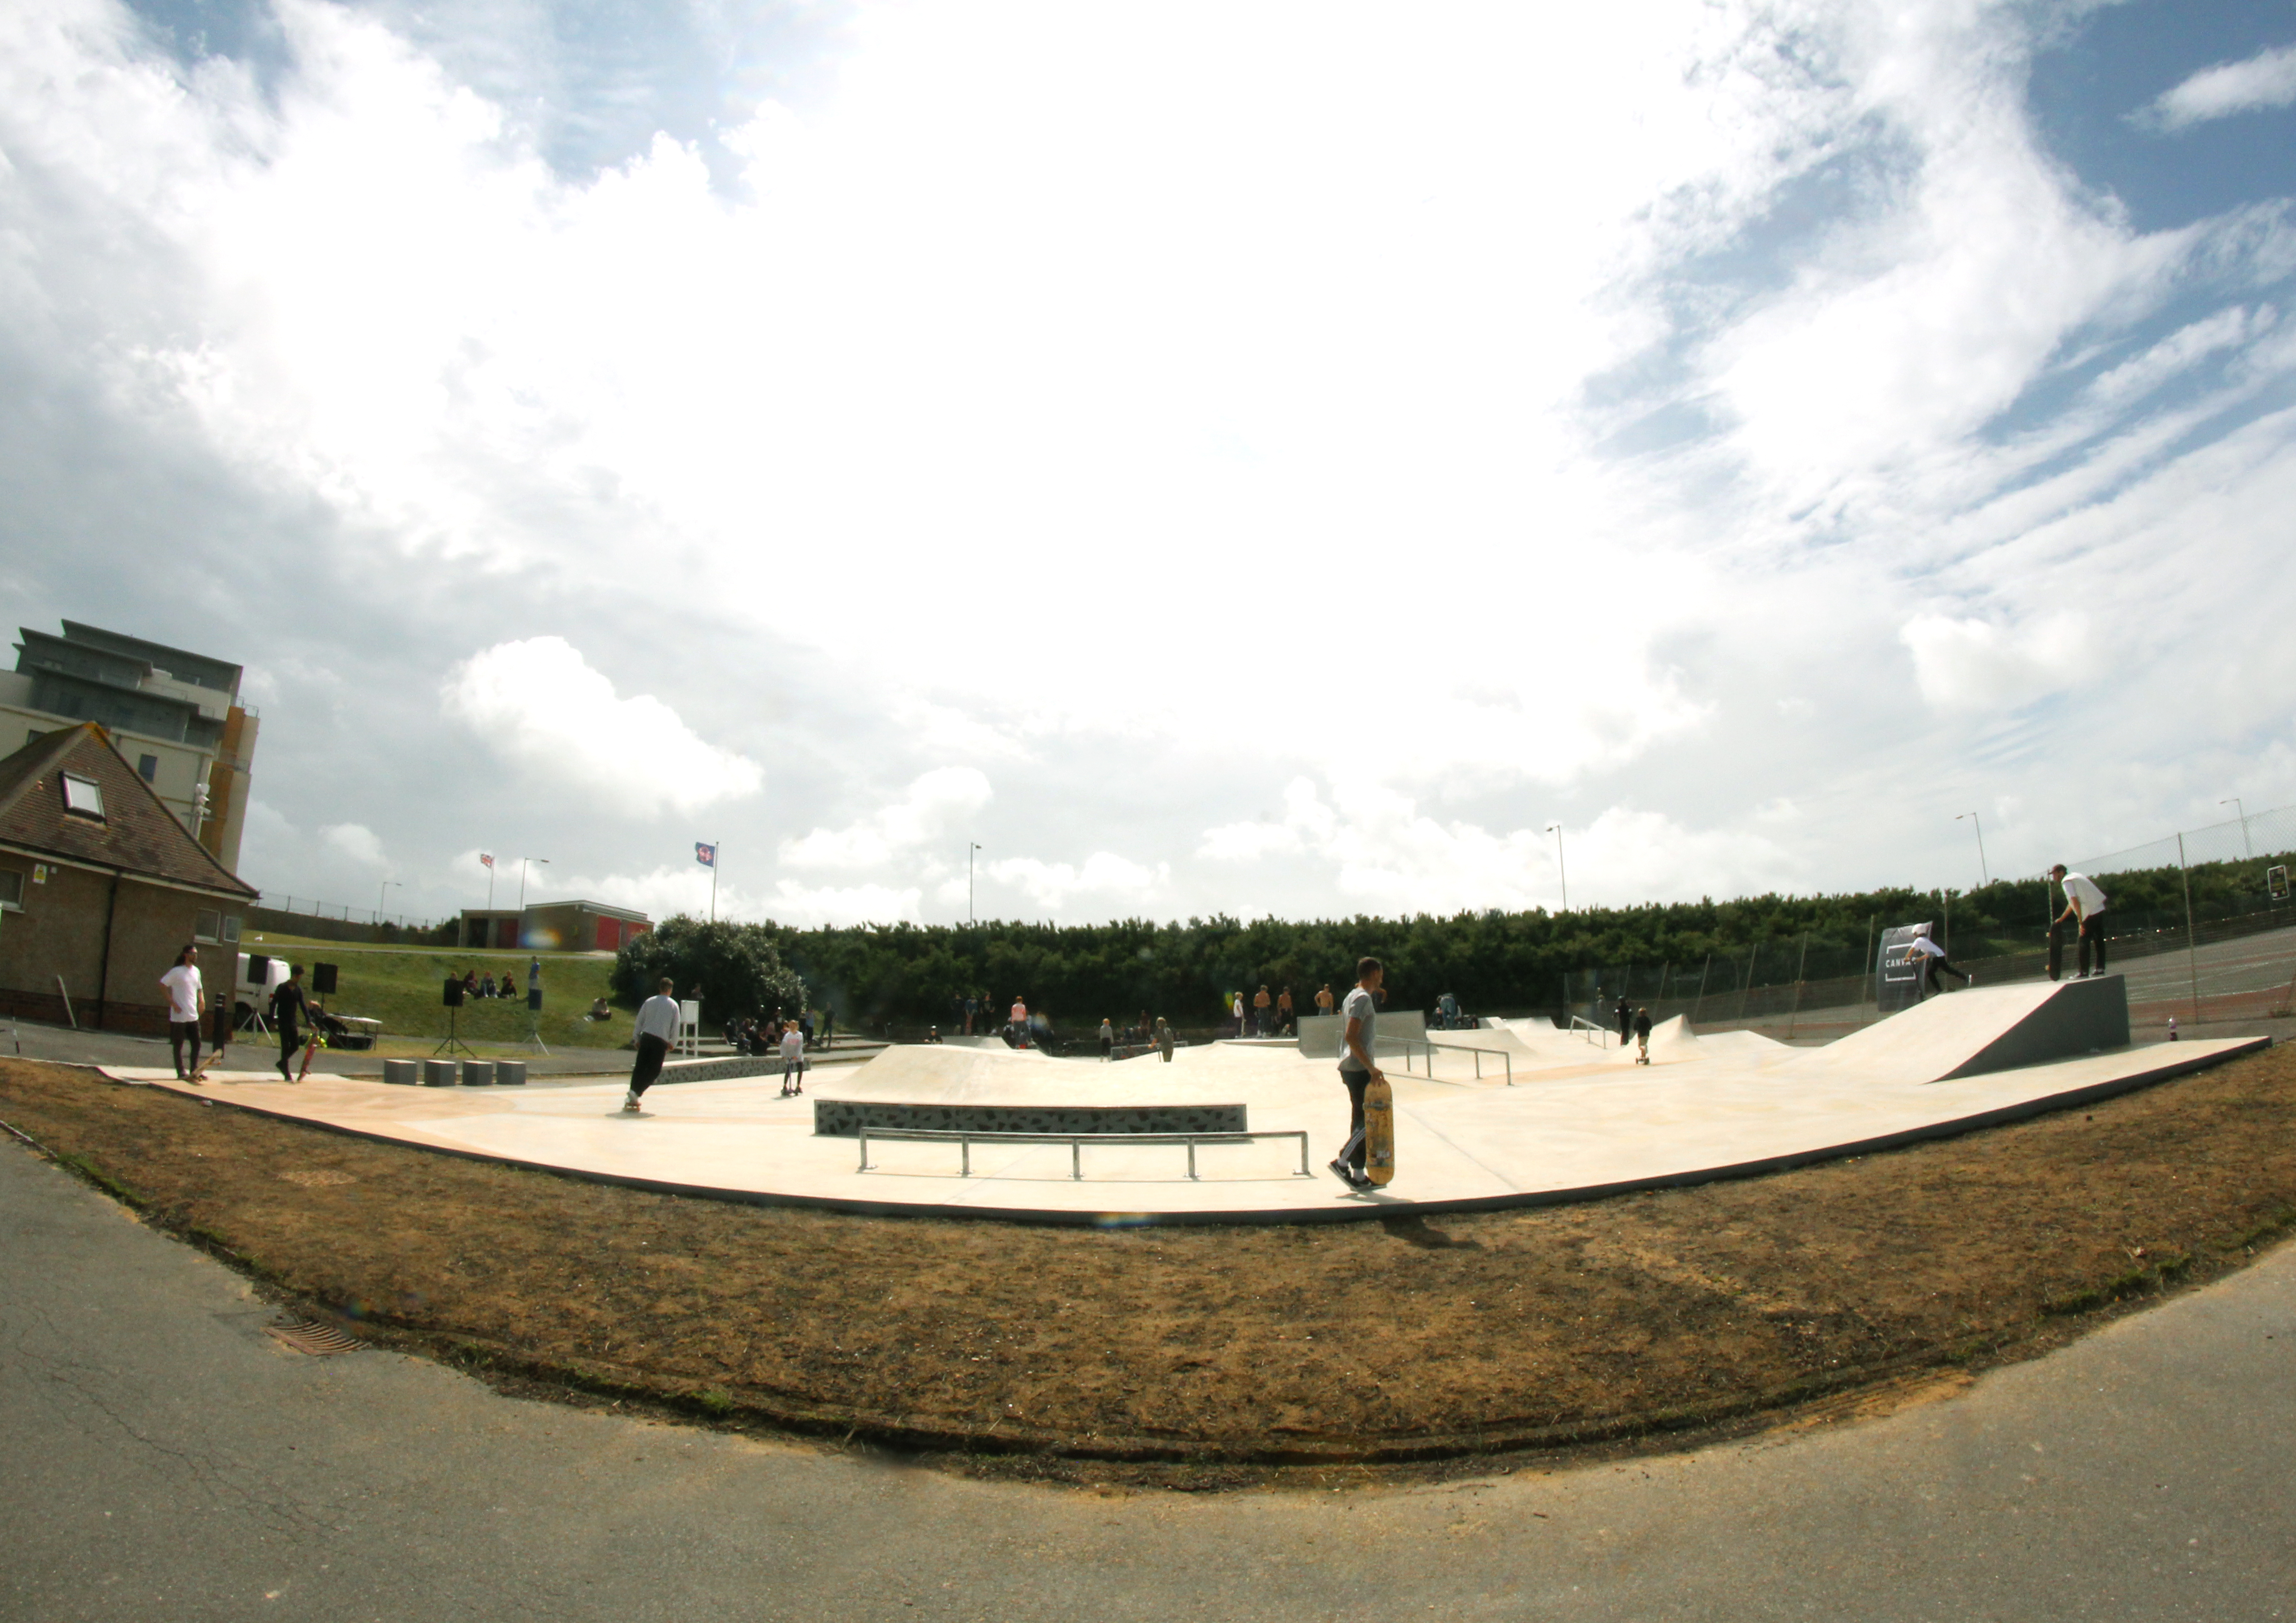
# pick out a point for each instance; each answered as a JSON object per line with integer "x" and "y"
{"x": 164, "y": 1460}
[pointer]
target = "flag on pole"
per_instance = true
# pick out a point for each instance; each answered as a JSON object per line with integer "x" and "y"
{"x": 487, "y": 857}
{"x": 706, "y": 854}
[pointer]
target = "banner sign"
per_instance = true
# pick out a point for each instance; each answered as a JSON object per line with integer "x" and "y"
{"x": 1898, "y": 977}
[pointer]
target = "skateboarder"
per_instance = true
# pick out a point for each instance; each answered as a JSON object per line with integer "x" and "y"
{"x": 184, "y": 998}
{"x": 1934, "y": 959}
{"x": 1625, "y": 1022}
{"x": 1358, "y": 1069}
{"x": 1164, "y": 1038}
{"x": 2084, "y": 902}
{"x": 1107, "y": 1038}
{"x": 289, "y": 1009}
{"x": 792, "y": 1060}
{"x": 656, "y": 1028}
{"x": 1641, "y": 1037}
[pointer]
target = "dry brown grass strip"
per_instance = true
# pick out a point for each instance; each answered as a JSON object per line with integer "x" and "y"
{"x": 1395, "y": 1339}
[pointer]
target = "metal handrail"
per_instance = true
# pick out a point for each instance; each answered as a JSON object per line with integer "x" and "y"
{"x": 965, "y": 1139}
{"x": 1478, "y": 1053}
{"x": 1600, "y": 1035}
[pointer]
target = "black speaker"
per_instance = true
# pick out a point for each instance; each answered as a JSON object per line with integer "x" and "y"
{"x": 323, "y": 979}
{"x": 453, "y": 995}
{"x": 533, "y": 997}
{"x": 258, "y": 970}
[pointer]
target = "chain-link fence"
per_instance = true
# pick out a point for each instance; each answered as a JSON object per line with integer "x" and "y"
{"x": 2201, "y": 922}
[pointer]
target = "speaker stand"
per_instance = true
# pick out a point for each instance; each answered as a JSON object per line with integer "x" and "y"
{"x": 453, "y": 1041}
{"x": 534, "y": 1034}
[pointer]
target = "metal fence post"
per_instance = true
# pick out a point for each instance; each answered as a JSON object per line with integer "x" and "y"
{"x": 2191, "y": 951}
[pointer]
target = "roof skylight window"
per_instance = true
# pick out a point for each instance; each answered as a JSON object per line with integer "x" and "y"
{"x": 83, "y": 797}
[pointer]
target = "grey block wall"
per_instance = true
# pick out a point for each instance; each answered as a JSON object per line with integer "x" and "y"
{"x": 842, "y": 1118}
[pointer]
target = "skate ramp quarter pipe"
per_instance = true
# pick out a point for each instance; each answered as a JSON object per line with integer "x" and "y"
{"x": 1978, "y": 1031}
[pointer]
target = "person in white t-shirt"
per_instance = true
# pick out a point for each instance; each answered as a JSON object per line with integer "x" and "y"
{"x": 1358, "y": 1042}
{"x": 792, "y": 1060}
{"x": 185, "y": 998}
{"x": 657, "y": 1029}
{"x": 2085, "y": 902}
{"x": 1933, "y": 960}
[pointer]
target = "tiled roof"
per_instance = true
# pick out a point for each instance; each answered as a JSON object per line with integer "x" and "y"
{"x": 138, "y": 834}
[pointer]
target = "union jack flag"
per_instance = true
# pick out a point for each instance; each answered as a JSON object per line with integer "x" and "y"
{"x": 706, "y": 854}
{"x": 487, "y": 857}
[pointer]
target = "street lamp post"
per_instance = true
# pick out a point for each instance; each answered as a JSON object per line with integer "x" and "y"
{"x": 1982, "y": 872}
{"x": 539, "y": 862}
{"x": 1555, "y": 828}
{"x": 388, "y": 885}
{"x": 2242, "y": 810}
{"x": 970, "y": 917}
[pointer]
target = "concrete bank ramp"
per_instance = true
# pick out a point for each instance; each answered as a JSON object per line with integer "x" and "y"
{"x": 1975, "y": 1031}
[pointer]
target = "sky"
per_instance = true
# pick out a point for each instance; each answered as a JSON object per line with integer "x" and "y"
{"x": 1242, "y": 457}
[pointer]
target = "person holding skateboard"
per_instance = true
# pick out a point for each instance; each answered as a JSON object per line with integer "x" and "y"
{"x": 1358, "y": 1069}
{"x": 2085, "y": 910}
{"x": 184, "y": 999}
{"x": 656, "y": 1028}
{"x": 289, "y": 1009}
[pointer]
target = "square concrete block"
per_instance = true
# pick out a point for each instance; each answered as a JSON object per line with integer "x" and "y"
{"x": 509, "y": 1073}
{"x": 438, "y": 1073}
{"x": 477, "y": 1073}
{"x": 405, "y": 1073}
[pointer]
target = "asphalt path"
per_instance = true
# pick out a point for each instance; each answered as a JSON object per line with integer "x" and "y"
{"x": 164, "y": 1459}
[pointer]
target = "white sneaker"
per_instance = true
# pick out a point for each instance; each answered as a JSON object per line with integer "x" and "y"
{"x": 630, "y": 1104}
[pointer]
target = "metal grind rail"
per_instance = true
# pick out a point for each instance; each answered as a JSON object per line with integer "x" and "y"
{"x": 1409, "y": 1044}
{"x": 964, "y": 1140}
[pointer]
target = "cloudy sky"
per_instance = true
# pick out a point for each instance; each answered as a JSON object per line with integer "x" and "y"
{"x": 1243, "y": 457}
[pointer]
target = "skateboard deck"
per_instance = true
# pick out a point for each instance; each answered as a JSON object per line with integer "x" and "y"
{"x": 1379, "y": 1130}
{"x": 199, "y": 1071}
{"x": 309, "y": 1048}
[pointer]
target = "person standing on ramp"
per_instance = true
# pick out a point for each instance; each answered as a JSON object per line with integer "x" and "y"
{"x": 656, "y": 1028}
{"x": 2086, "y": 903}
{"x": 1358, "y": 1068}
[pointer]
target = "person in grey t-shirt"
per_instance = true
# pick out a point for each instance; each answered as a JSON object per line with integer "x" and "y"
{"x": 1358, "y": 1066}
{"x": 657, "y": 1029}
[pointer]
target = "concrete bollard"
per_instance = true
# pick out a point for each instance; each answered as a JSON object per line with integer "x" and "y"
{"x": 509, "y": 1073}
{"x": 405, "y": 1073}
{"x": 438, "y": 1073}
{"x": 477, "y": 1073}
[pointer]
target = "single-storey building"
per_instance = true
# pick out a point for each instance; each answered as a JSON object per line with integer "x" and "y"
{"x": 100, "y": 886}
{"x": 574, "y": 927}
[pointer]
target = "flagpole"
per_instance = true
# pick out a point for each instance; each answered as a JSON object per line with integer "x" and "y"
{"x": 714, "y": 849}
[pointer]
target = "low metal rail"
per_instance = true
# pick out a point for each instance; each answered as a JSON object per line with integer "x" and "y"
{"x": 965, "y": 1141}
{"x": 1409, "y": 1044}
{"x": 1597, "y": 1035}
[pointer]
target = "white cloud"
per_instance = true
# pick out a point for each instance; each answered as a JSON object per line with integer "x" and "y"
{"x": 355, "y": 841}
{"x": 538, "y": 702}
{"x": 2267, "y": 80}
{"x": 1964, "y": 663}
{"x": 1108, "y": 878}
{"x": 801, "y": 905}
{"x": 934, "y": 804}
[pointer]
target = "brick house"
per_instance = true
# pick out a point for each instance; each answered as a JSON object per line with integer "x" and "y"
{"x": 101, "y": 887}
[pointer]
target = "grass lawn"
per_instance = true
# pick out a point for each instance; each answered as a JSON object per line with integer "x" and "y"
{"x": 401, "y": 988}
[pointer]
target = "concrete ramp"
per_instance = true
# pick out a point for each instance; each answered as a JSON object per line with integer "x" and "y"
{"x": 1976, "y": 1031}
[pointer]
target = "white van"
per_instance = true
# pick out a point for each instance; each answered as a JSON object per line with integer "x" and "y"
{"x": 250, "y": 992}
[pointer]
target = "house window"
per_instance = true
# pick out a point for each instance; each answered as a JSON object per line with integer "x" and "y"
{"x": 83, "y": 797}
{"x": 149, "y": 766}
{"x": 12, "y": 887}
{"x": 210, "y": 926}
{"x": 231, "y": 927}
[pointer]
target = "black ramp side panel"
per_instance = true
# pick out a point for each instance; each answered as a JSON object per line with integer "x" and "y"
{"x": 2082, "y": 1017}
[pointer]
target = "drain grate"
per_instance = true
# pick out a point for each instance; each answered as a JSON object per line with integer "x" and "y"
{"x": 309, "y": 1336}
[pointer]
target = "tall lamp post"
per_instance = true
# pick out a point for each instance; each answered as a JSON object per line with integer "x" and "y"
{"x": 388, "y": 885}
{"x": 1981, "y": 871}
{"x": 1555, "y": 828}
{"x": 539, "y": 862}
{"x": 970, "y": 917}
{"x": 2242, "y": 810}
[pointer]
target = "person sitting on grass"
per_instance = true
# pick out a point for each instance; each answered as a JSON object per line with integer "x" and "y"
{"x": 600, "y": 1009}
{"x": 486, "y": 983}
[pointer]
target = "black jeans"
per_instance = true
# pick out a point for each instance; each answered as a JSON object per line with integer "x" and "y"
{"x": 290, "y": 1040}
{"x": 1356, "y": 1081}
{"x": 651, "y": 1051}
{"x": 179, "y": 1032}
{"x": 2091, "y": 930}
{"x": 1930, "y": 975}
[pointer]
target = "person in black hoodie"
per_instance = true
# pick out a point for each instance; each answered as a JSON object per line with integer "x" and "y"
{"x": 289, "y": 1014}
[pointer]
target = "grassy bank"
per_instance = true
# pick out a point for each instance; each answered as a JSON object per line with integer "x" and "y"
{"x": 401, "y": 988}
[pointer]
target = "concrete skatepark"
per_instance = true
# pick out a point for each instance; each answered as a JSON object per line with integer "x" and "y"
{"x": 1518, "y": 1113}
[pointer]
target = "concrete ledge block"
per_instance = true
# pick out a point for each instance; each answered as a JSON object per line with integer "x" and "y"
{"x": 438, "y": 1073}
{"x": 403, "y": 1073}
{"x": 509, "y": 1073}
{"x": 477, "y": 1073}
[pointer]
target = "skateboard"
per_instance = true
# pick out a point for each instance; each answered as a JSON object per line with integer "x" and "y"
{"x": 1379, "y": 1131}
{"x": 309, "y": 1049}
{"x": 207, "y": 1063}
